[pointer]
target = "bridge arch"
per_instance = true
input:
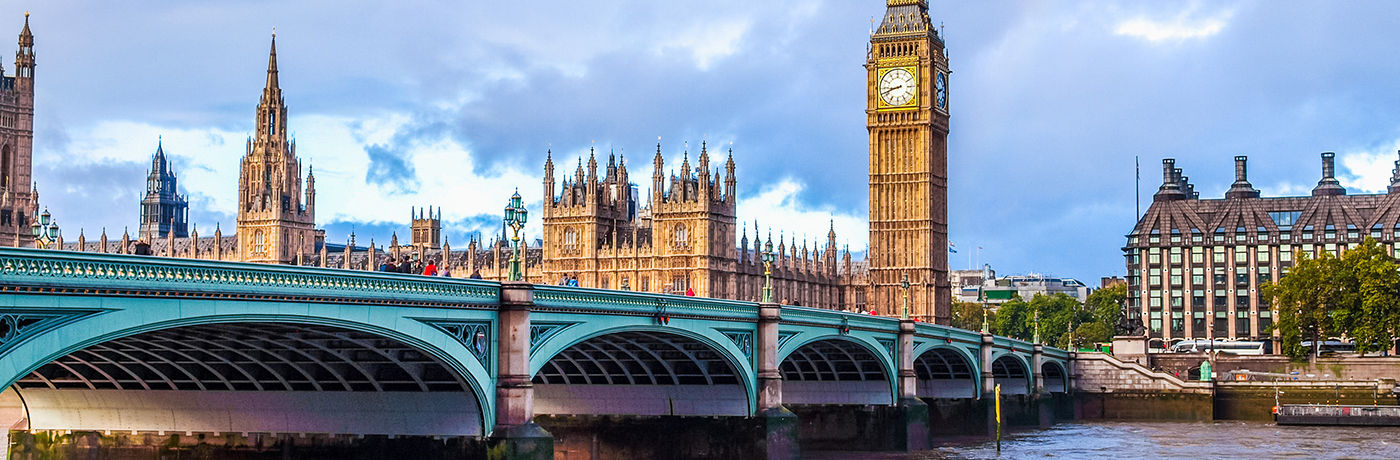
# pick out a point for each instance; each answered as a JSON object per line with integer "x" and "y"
{"x": 836, "y": 369}
{"x": 946, "y": 372}
{"x": 1013, "y": 373}
{"x": 1056, "y": 379}
{"x": 642, "y": 369}
{"x": 155, "y": 345}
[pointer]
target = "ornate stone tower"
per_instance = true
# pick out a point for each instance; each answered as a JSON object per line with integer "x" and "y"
{"x": 589, "y": 216}
{"x": 19, "y": 201}
{"x": 274, "y": 224}
{"x": 163, "y": 210}
{"x": 693, "y": 225}
{"x": 427, "y": 228}
{"x": 907, "y": 116}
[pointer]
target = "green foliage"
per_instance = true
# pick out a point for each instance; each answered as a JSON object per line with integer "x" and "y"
{"x": 968, "y": 315}
{"x": 1058, "y": 314}
{"x": 1357, "y": 295}
{"x": 1013, "y": 319}
{"x": 1106, "y": 307}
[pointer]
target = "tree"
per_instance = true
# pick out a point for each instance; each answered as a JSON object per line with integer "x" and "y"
{"x": 968, "y": 315}
{"x": 1106, "y": 307}
{"x": 1373, "y": 320}
{"x": 1013, "y": 319}
{"x": 1357, "y": 295}
{"x": 1314, "y": 299}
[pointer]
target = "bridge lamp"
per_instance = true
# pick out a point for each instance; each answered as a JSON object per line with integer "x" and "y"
{"x": 768, "y": 259}
{"x": 45, "y": 230}
{"x": 904, "y": 284}
{"x": 515, "y": 218}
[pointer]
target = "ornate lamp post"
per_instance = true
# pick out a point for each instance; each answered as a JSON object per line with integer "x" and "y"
{"x": 1036, "y": 337}
{"x": 515, "y": 219}
{"x": 768, "y": 259}
{"x": 904, "y": 284}
{"x": 44, "y": 230}
{"x": 982, "y": 294}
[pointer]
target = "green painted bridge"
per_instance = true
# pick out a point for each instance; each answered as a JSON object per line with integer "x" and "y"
{"x": 141, "y": 344}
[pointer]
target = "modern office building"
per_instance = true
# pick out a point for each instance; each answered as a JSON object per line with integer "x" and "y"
{"x": 1195, "y": 265}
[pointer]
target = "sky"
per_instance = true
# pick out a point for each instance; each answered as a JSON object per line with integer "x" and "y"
{"x": 454, "y": 104}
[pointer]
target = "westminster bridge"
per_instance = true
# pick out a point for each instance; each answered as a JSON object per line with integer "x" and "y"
{"x": 134, "y": 344}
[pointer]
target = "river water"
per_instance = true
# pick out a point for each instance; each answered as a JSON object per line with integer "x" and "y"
{"x": 1166, "y": 440}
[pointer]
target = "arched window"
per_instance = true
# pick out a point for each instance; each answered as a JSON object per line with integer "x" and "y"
{"x": 259, "y": 242}
{"x": 682, "y": 238}
{"x": 570, "y": 239}
{"x": 4, "y": 167}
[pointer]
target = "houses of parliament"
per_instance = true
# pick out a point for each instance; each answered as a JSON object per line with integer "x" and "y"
{"x": 680, "y": 237}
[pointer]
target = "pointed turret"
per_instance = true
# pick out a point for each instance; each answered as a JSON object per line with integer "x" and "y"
{"x": 730, "y": 183}
{"x": 657, "y": 174}
{"x": 102, "y": 243}
{"x": 24, "y": 59}
{"x": 548, "y": 178}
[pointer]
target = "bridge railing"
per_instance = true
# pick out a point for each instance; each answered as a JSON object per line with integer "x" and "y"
{"x": 74, "y": 272}
{"x": 552, "y": 297}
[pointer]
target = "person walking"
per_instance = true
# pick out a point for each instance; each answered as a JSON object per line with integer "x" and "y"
{"x": 476, "y": 274}
{"x": 430, "y": 269}
{"x": 689, "y": 292}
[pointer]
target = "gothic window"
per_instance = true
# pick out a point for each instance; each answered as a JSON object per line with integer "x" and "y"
{"x": 4, "y": 167}
{"x": 259, "y": 242}
{"x": 682, "y": 238}
{"x": 646, "y": 283}
{"x": 570, "y": 239}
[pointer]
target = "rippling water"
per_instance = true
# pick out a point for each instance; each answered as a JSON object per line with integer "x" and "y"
{"x": 1168, "y": 440}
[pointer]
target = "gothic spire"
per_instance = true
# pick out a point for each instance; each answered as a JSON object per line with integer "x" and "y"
{"x": 272, "y": 64}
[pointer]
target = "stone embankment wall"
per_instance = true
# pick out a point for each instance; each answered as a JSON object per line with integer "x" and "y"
{"x": 1109, "y": 388}
{"x": 1103, "y": 373}
{"x": 1330, "y": 368}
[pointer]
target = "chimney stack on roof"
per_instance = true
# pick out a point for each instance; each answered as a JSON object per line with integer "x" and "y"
{"x": 1241, "y": 188}
{"x": 1395, "y": 177}
{"x": 1171, "y": 182}
{"x": 1329, "y": 186}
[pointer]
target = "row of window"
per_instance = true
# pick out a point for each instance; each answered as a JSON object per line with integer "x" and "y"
{"x": 1240, "y": 236}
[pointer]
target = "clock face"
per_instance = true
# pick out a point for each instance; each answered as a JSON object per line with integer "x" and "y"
{"x": 941, "y": 86}
{"x": 897, "y": 87}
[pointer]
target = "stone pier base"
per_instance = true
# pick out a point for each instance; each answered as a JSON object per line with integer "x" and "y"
{"x": 523, "y": 442}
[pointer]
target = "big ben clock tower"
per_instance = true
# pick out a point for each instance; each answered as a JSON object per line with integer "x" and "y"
{"x": 907, "y": 116}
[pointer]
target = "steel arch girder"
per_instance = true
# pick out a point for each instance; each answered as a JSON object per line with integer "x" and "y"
{"x": 708, "y": 332}
{"x": 974, "y": 364}
{"x": 119, "y": 316}
{"x": 804, "y": 335}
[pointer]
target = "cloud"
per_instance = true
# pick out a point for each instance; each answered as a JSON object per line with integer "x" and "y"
{"x": 778, "y": 208}
{"x": 1368, "y": 171}
{"x": 389, "y": 168}
{"x": 1186, "y": 25}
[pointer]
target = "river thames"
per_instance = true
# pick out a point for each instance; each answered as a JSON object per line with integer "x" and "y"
{"x": 1163, "y": 440}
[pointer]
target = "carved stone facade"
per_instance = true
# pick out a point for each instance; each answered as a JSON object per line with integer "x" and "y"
{"x": 683, "y": 240}
{"x": 907, "y": 116}
{"x": 19, "y": 197}
{"x": 1195, "y": 265}
{"x": 163, "y": 210}
{"x": 275, "y": 224}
